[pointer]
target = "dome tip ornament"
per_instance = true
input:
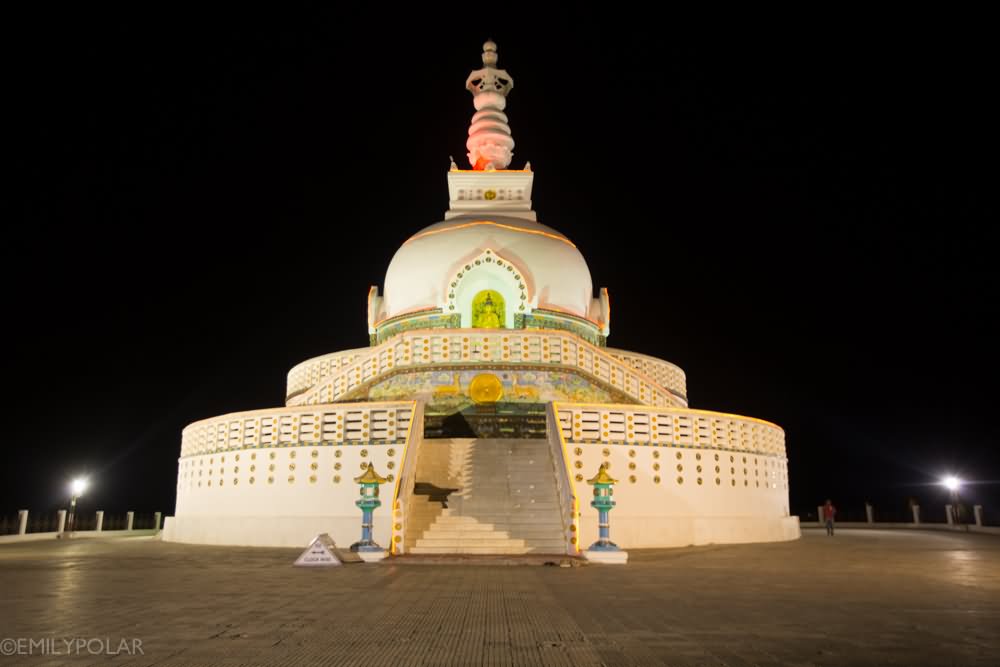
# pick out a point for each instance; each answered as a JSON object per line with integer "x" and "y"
{"x": 490, "y": 143}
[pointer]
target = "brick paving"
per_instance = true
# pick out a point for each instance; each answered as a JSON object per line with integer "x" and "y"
{"x": 864, "y": 597}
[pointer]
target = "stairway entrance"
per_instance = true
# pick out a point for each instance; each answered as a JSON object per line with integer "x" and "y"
{"x": 485, "y": 496}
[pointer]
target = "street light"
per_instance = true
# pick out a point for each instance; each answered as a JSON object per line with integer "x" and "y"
{"x": 76, "y": 487}
{"x": 953, "y": 484}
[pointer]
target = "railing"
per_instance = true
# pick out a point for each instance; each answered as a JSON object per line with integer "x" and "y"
{"x": 282, "y": 427}
{"x": 85, "y": 523}
{"x": 568, "y": 502}
{"x": 973, "y": 518}
{"x": 310, "y": 372}
{"x": 678, "y": 427}
{"x": 407, "y": 477}
{"x": 665, "y": 373}
{"x": 415, "y": 349}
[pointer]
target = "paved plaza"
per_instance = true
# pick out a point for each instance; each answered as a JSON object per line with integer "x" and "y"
{"x": 864, "y": 597}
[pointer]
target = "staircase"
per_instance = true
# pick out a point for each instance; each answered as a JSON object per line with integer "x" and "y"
{"x": 485, "y": 496}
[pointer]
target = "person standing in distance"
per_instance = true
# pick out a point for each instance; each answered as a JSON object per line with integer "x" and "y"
{"x": 829, "y": 512}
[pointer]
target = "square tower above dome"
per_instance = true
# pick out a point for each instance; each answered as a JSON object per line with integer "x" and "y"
{"x": 502, "y": 192}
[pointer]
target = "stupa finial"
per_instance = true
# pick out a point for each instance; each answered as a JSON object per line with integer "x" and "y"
{"x": 490, "y": 144}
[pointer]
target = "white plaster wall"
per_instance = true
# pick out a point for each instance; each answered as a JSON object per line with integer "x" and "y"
{"x": 672, "y": 514}
{"x": 282, "y": 512}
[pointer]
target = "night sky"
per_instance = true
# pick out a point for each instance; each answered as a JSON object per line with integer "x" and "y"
{"x": 201, "y": 202}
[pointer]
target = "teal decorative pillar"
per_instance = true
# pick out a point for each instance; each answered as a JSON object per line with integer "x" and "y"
{"x": 604, "y": 550}
{"x": 369, "y": 481}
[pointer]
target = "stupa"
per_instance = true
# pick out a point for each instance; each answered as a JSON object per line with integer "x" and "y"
{"x": 487, "y": 397}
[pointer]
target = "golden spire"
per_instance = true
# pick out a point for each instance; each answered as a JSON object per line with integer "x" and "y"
{"x": 370, "y": 477}
{"x": 602, "y": 476}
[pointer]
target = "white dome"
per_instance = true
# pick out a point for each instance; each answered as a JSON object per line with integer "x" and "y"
{"x": 551, "y": 270}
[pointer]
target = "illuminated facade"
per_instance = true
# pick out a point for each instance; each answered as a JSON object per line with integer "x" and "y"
{"x": 487, "y": 396}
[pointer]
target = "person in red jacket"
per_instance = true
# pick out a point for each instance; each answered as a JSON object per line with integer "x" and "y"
{"x": 829, "y": 512}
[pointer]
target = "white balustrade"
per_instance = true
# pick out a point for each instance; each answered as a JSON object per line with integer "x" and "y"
{"x": 279, "y": 427}
{"x": 677, "y": 427}
{"x": 456, "y": 346}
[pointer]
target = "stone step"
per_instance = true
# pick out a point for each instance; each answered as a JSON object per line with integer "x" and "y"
{"x": 457, "y": 543}
{"x": 445, "y": 523}
{"x": 546, "y": 535}
{"x": 487, "y": 550}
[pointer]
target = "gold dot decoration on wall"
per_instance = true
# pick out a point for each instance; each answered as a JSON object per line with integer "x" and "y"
{"x": 291, "y": 479}
{"x": 579, "y": 478}
{"x": 697, "y": 457}
{"x": 315, "y": 454}
{"x": 291, "y": 466}
{"x": 578, "y": 451}
{"x": 718, "y": 481}
{"x": 732, "y": 482}
{"x": 253, "y": 468}
{"x": 270, "y": 480}
{"x": 699, "y": 481}
{"x": 253, "y": 457}
{"x": 338, "y": 453}
{"x": 606, "y": 452}
{"x": 391, "y": 477}
{"x": 746, "y": 483}
{"x": 236, "y": 480}
{"x": 336, "y": 479}
{"x": 631, "y": 465}
{"x": 314, "y": 465}
{"x": 718, "y": 469}
{"x": 236, "y": 469}
{"x": 656, "y": 455}
{"x": 716, "y": 457}
{"x": 336, "y": 466}
{"x": 291, "y": 454}
{"x": 237, "y": 457}
{"x": 631, "y": 479}
{"x": 390, "y": 465}
{"x": 364, "y": 453}
{"x": 252, "y": 480}
{"x": 391, "y": 452}
{"x": 312, "y": 479}
{"x": 364, "y": 466}
{"x": 679, "y": 455}
{"x": 656, "y": 466}
{"x": 272, "y": 455}
{"x": 680, "y": 480}
{"x": 656, "y": 479}
{"x": 698, "y": 468}
{"x": 578, "y": 464}
{"x": 680, "y": 468}
{"x": 222, "y": 481}
{"x": 631, "y": 453}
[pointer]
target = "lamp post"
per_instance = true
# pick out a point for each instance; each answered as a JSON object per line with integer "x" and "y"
{"x": 369, "y": 481}
{"x": 604, "y": 550}
{"x": 76, "y": 487}
{"x": 953, "y": 484}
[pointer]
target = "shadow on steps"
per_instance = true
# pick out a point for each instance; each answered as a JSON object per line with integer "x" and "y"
{"x": 434, "y": 493}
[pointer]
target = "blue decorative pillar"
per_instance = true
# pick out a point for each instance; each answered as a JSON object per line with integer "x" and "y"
{"x": 604, "y": 550}
{"x": 369, "y": 481}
